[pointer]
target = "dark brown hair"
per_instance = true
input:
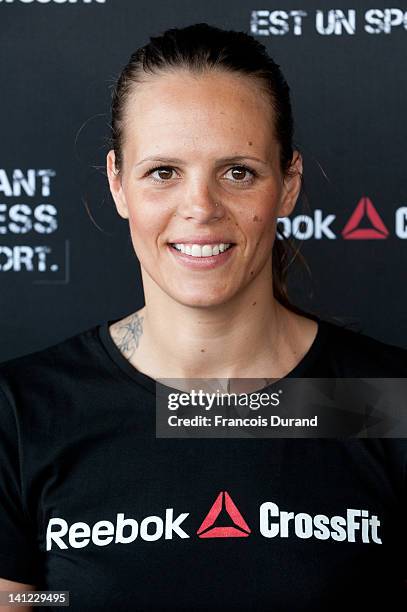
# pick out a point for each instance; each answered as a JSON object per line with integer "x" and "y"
{"x": 201, "y": 47}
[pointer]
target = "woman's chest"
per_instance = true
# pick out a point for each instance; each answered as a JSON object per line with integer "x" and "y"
{"x": 211, "y": 524}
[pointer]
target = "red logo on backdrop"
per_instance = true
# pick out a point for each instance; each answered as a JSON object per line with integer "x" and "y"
{"x": 365, "y": 209}
{"x": 240, "y": 529}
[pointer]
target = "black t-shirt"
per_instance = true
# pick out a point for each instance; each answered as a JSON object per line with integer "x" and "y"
{"x": 93, "y": 503}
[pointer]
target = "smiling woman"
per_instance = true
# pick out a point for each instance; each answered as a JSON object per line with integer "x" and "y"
{"x": 201, "y": 165}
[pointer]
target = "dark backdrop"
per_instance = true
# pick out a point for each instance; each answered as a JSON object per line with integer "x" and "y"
{"x": 66, "y": 257}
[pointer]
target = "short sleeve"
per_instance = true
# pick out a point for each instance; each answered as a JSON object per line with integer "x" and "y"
{"x": 19, "y": 557}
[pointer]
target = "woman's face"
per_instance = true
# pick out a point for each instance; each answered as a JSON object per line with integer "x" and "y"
{"x": 219, "y": 181}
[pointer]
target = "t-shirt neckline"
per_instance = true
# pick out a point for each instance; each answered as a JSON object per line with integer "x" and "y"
{"x": 302, "y": 369}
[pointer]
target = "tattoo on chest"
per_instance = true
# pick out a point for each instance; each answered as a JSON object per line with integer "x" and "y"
{"x": 127, "y": 334}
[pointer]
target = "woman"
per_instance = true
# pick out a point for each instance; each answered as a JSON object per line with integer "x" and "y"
{"x": 92, "y": 502}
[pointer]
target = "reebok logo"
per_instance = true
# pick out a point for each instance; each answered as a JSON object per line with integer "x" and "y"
{"x": 240, "y": 528}
{"x": 355, "y": 526}
{"x": 105, "y": 532}
{"x": 364, "y": 223}
{"x": 365, "y": 210}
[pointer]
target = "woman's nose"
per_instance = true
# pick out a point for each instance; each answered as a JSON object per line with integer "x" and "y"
{"x": 199, "y": 202}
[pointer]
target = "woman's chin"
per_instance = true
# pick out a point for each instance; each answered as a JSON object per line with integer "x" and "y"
{"x": 201, "y": 299}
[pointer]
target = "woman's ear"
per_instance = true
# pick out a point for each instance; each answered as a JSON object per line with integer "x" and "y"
{"x": 115, "y": 184}
{"x": 291, "y": 186}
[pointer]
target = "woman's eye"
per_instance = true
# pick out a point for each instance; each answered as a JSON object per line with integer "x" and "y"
{"x": 239, "y": 174}
{"x": 164, "y": 173}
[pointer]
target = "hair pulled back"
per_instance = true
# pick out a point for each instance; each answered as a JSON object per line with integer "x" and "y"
{"x": 201, "y": 47}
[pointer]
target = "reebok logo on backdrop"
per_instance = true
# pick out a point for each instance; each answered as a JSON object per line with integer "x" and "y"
{"x": 364, "y": 223}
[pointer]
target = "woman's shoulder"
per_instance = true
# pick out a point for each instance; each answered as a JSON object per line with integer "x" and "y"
{"x": 352, "y": 352}
{"x": 69, "y": 354}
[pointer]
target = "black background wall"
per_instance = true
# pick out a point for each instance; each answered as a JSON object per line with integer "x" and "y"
{"x": 66, "y": 260}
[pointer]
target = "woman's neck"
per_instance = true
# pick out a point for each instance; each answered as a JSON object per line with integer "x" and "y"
{"x": 252, "y": 336}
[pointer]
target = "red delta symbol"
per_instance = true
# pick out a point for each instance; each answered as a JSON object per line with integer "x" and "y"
{"x": 240, "y": 528}
{"x": 351, "y": 231}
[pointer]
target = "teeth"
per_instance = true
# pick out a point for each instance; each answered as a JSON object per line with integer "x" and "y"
{"x": 206, "y": 250}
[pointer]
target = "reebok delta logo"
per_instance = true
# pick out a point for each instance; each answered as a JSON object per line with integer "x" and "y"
{"x": 364, "y": 223}
{"x": 365, "y": 208}
{"x": 240, "y": 528}
{"x": 355, "y": 526}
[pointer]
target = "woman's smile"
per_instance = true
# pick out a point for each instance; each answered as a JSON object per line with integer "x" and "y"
{"x": 202, "y": 257}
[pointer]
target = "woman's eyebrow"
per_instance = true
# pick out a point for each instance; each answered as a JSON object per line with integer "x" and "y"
{"x": 223, "y": 160}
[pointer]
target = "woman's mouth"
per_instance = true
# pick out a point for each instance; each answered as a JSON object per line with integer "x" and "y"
{"x": 202, "y": 256}
{"x": 202, "y": 250}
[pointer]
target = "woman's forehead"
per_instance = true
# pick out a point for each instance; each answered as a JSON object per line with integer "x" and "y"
{"x": 221, "y": 106}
